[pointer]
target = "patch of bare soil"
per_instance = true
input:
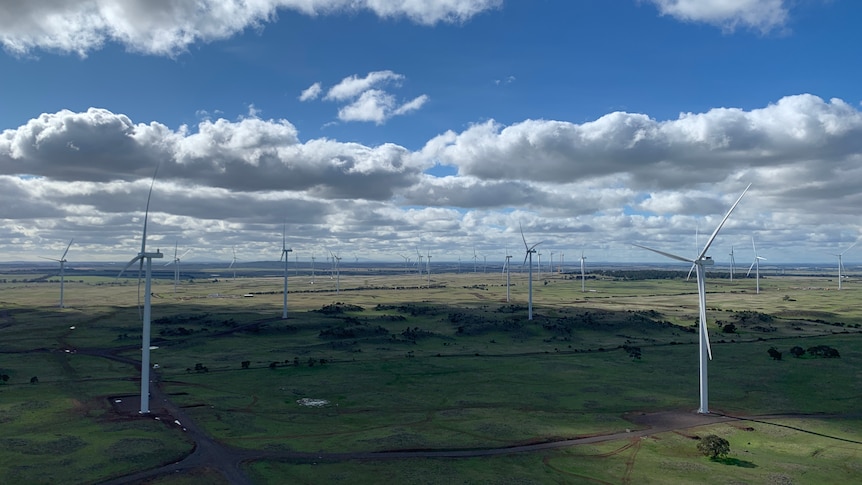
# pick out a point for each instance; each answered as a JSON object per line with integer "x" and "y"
{"x": 674, "y": 420}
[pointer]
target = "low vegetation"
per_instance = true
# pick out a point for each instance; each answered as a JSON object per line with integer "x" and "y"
{"x": 453, "y": 366}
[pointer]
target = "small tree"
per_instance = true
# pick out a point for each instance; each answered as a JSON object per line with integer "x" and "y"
{"x": 729, "y": 328}
{"x": 797, "y": 351}
{"x": 245, "y": 364}
{"x": 774, "y": 353}
{"x": 714, "y": 446}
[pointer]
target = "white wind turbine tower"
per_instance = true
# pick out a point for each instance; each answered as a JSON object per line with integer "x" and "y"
{"x": 406, "y": 263}
{"x": 62, "y": 262}
{"x": 732, "y": 263}
{"x": 475, "y": 259}
{"x": 233, "y": 262}
{"x": 428, "y": 267}
{"x": 312, "y": 267}
{"x": 551, "y": 263}
{"x": 699, "y": 263}
{"x": 419, "y": 263}
{"x": 508, "y": 277}
{"x": 285, "y": 256}
{"x": 176, "y": 263}
{"x": 539, "y": 266}
{"x": 145, "y": 336}
{"x": 756, "y": 265}
{"x": 583, "y": 274}
{"x": 529, "y": 255}
{"x": 335, "y": 260}
{"x": 840, "y": 267}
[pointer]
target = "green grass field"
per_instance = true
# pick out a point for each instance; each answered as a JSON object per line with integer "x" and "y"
{"x": 405, "y": 367}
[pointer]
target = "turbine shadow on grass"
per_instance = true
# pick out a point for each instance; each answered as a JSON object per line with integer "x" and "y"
{"x": 734, "y": 461}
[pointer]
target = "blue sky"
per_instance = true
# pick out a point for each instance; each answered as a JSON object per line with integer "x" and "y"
{"x": 438, "y": 125}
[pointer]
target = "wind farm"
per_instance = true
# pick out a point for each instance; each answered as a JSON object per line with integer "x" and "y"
{"x": 398, "y": 148}
{"x": 204, "y": 342}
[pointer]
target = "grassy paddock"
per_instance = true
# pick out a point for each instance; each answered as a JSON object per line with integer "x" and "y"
{"x": 451, "y": 366}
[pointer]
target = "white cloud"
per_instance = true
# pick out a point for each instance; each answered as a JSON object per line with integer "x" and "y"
{"x": 372, "y": 105}
{"x": 412, "y": 105}
{"x": 365, "y": 99}
{"x": 624, "y": 177}
{"x": 763, "y": 15}
{"x": 311, "y": 93}
{"x": 693, "y": 149}
{"x": 353, "y": 86}
{"x": 168, "y": 28}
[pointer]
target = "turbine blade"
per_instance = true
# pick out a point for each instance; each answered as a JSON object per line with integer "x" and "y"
{"x": 522, "y": 237}
{"x": 140, "y": 276}
{"x": 706, "y": 338}
{"x": 842, "y": 253}
{"x": 176, "y": 245}
{"x": 136, "y": 258}
{"x": 689, "y": 272}
{"x": 147, "y": 211}
{"x": 669, "y": 255}
{"x": 750, "y": 268}
{"x": 715, "y": 232}
{"x": 70, "y": 245}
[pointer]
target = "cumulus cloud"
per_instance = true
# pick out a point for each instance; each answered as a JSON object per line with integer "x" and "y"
{"x": 365, "y": 97}
{"x": 168, "y": 28}
{"x": 763, "y": 15}
{"x": 353, "y": 86}
{"x": 248, "y": 155}
{"x": 690, "y": 150}
{"x": 624, "y": 177}
{"x": 311, "y": 93}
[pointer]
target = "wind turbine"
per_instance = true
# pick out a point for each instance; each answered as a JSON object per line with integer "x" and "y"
{"x": 312, "y": 267}
{"x": 285, "y": 256}
{"x": 539, "y": 265}
{"x": 701, "y": 261}
{"x": 233, "y": 262}
{"x": 529, "y": 255}
{"x": 176, "y": 263}
{"x": 145, "y": 336}
{"x": 475, "y": 258}
{"x": 508, "y": 278}
{"x": 840, "y": 269}
{"x": 335, "y": 260}
{"x": 62, "y": 262}
{"x": 551, "y": 263}
{"x": 732, "y": 263}
{"x": 583, "y": 274}
{"x": 428, "y": 267}
{"x": 419, "y": 264}
{"x": 756, "y": 265}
